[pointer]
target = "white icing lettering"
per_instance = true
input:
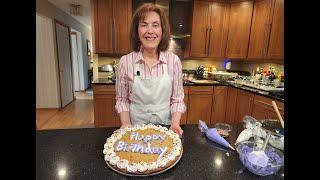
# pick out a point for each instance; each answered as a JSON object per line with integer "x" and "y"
{"x": 134, "y": 135}
{"x": 139, "y": 148}
{"x": 162, "y": 151}
{"x": 154, "y": 137}
{"x": 120, "y": 146}
{"x": 155, "y": 150}
{"x": 147, "y": 138}
{"x": 162, "y": 137}
{"x": 148, "y": 149}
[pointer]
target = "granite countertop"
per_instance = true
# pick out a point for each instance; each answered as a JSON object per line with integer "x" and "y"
{"x": 79, "y": 153}
{"x": 105, "y": 81}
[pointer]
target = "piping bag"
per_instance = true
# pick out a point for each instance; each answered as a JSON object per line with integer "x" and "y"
{"x": 213, "y": 135}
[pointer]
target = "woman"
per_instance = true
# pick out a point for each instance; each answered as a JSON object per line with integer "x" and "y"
{"x": 149, "y": 85}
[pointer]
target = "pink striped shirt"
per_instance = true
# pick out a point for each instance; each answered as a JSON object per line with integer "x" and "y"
{"x": 125, "y": 75}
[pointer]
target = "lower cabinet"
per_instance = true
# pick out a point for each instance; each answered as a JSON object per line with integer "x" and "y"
{"x": 231, "y": 103}
{"x": 219, "y": 104}
{"x": 244, "y": 104}
{"x": 211, "y": 104}
{"x": 263, "y": 108}
{"x": 104, "y": 101}
{"x": 199, "y": 104}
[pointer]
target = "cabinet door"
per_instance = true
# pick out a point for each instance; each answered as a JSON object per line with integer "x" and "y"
{"x": 199, "y": 108}
{"x": 219, "y": 104}
{"x": 184, "y": 116}
{"x": 239, "y": 29}
{"x": 218, "y": 29}
{"x": 104, "y": 113}
{"x": 122, "y": 12}
{"x": 102, "y": 14}
{"x": 260, "y": 29}
{"x": 231, "y": 105}
{"x": 199, "y": 29}
{"x": 275, "y": 49}
{"x": 244, "y": 104}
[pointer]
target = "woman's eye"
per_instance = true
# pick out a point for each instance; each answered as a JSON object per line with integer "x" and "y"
{"x": 156, "y": 25}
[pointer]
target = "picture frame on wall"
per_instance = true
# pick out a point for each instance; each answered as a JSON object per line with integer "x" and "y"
{"x": 88, "y": 48}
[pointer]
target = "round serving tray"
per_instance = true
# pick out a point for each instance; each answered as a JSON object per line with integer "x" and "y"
{"x": 150, "y": 174}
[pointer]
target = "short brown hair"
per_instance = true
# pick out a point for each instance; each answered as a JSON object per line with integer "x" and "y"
{"x": 140, "y": 14}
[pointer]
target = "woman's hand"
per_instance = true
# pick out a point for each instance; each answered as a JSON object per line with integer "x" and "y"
{"x": 176, "y": 128}
{"x": 125, "y": 125}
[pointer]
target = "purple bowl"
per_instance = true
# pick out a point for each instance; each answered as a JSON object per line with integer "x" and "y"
{"x": 276, "y": 159}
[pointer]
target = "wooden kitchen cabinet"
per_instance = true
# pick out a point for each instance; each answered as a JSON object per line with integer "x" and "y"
{"x": 104, "y": 101}
{"x": 267, "y": 24}
{"x": 200, "y": 104}
{"x": 260, "y": 29}
{"x": 219, "y": 104}
{"x": 239, "y": 28}
{"x": 276, "y": 41}
{"x": 184, "y": 116}
{"x": 263, "y": 109}
{"x": 230, "y": 113}
{"x": 209, "y": 29}
{"x": 244, "y": 104}
{"x": 111, "y": 20}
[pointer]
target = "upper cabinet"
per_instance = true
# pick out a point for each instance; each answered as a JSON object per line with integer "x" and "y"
{"x": 209, "y": 29}
{"x": 266, "y": 38}
{"x": 239, "y": 29}
{"x": 112, "y": 20}
{"x": 275, "y": 47}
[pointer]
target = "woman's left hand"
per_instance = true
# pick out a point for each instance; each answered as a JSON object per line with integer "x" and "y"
{"x": 177, "y": 129}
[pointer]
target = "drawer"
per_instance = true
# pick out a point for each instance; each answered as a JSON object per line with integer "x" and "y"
{"x": 267, "y": 102}
{"x": 104, "y": 89}
{"x": 201, "y": 90}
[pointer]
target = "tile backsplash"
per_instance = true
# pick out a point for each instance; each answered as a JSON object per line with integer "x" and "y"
{"x": 191, "y": 64}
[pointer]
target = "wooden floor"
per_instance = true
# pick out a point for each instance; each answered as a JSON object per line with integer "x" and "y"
{"x": 78, "y": 114}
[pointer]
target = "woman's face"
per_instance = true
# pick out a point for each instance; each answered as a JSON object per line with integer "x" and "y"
{"x": 150, "y": 31}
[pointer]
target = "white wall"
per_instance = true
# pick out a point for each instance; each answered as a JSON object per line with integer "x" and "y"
{"x": 47, "y": 90}
{"x": 46, "y": 8}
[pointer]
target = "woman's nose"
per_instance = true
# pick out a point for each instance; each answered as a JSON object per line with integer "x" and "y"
{"x": 150, "y": 29}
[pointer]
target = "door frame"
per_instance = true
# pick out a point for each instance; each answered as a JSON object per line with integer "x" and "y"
{"x": 55, "y": 31}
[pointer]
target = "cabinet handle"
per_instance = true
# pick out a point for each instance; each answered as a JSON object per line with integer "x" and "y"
{"x": 111, "y": 36}
{"x": 115, "y": 35}
{"x": 213, "y": 103}
{"x": 205, "y": 46}
{"x": 209, "y": 41}
{"x": 250, "y": 105}
{"x": 266, "y": 39}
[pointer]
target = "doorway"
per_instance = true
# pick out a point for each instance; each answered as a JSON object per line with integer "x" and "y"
{"x": 77, "y": 60}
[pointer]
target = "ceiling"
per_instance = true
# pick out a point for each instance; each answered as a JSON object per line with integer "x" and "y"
{"x": 85, "y": 18}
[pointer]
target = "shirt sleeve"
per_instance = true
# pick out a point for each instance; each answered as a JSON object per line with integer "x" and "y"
{"x": 122, "y": 87}
{"x": 177, "y": 103}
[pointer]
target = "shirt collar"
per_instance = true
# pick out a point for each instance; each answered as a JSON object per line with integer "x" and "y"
{"x": 139, "y": 57}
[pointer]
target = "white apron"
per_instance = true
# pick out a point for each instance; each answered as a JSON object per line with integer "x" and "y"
{"x": 150, "y": 102}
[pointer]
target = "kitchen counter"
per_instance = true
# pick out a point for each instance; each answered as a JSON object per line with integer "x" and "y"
{"x": 101, "y": 81}
{"x": 79, "y": 153}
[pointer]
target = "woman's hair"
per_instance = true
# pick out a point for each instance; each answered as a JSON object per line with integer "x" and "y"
{"x": 139, "y": 15}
